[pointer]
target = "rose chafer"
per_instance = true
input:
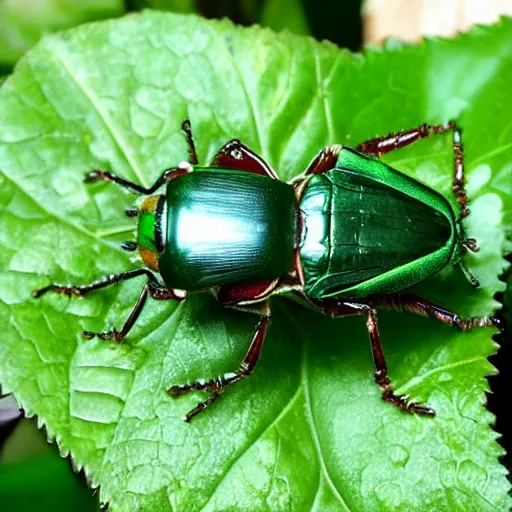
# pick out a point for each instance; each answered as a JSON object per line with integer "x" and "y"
{"x": 346, "y": 237}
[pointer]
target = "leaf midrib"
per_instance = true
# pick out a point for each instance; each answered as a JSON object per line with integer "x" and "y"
{"x": 116, "y": 137}
{"x": 304, "y": 383}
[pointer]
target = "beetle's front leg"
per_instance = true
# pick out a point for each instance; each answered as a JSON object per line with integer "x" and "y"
{"x": 217, "y": 385}
{"x": 168, "y": 175}
{"x": 151, "y": 287}
{"x": 83, "y": 290}
{"x": 192, "y": 153}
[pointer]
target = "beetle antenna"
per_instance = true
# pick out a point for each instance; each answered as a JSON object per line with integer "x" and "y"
{"x": 131, "y": 212}
{"x": 129, "y": 246}
{"x": 469, "y": 275}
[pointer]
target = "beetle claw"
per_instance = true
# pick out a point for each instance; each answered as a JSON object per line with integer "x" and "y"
{"x": 496, "y": 322}
{"x": 92, "y": 177}
{"x": 401, "y": 401}
{"x": 112, "y": 335}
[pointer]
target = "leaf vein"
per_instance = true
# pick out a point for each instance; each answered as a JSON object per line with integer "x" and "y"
{"x": 311, "y": 421}
{"x": 279, "y": 417}
{"x": 249, "y": 103}
{"x": 323, "y": 95}
{"x": 415, "y": 381}
{"x": 314, "y": 433}
{"x": 105, "y": 118}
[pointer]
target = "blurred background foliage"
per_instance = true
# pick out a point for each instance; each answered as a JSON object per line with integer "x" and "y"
{"x": 32, "y": 474}
{"x": 24, "y": 22}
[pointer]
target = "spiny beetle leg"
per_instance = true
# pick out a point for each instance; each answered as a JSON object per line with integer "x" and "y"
{"x": 325, "y": 160}
{"x": 401, "y": 402}
{"x": 398, "y": 140}
{"x": 237, "y": 156}
{"x": 114, "y": 334}
{"x": 167, "y": 175}
{"x": 217, "y": 386}
{"x": 414, "y": 304}
{"x": 381, "y": 371}
{"x": 83, "y": 290}
{"x": 459, "y": 175}
{"x": 192, "y": 154}
{"x": 152, "y": 288}
{"x": 100, "y": 175}
{"x": 337, "y": 308}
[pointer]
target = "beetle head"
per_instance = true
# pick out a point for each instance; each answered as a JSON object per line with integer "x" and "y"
{"x": 150, "y": 231}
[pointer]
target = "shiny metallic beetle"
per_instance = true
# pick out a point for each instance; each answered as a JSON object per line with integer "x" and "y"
{"x": 345, "y": 237}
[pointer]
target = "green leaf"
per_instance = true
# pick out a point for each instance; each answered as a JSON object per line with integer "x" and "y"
{"x": 23, "y": 23}
{"x": 308, "y": 430}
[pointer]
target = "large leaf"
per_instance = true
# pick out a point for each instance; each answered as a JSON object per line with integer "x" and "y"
{"x": 308, "y": 430}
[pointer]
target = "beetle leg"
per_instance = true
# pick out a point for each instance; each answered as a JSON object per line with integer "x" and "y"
{"x": 237, "y": 156}
{"x": 83, "y": 290}
{"x": 381, "y": 371}
{"x": 151, "y": 288}
{"x": 335, "y": 309}
{"x": 217, "y": 386}
{"x": 114, "y": 334}
{"x": 398, "y": 140}
{"x": 325, "y": 160}
{"x": 190, "y": 141}
{"x": 414, "y": 304}
{"x": 458, "y": 175}
{"x": 167, "y": 175}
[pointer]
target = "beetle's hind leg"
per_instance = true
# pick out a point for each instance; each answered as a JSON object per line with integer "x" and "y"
{"x": 419, "y": 306}
{"x": 335, "y": 309}
{"x": 401, "y": 139}
{"x": 381, "y": 371}
{"x": 218, "y": 385}
{"x": 401, "y": 302}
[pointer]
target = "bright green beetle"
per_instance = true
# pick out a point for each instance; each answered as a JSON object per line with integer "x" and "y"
{"x": 345, "y": 237}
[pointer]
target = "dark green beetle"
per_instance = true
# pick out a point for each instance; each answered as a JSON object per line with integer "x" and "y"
{"x": 345, "y": 237}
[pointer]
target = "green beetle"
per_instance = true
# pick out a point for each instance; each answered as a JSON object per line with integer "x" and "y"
{"x": 345, "y": 237}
